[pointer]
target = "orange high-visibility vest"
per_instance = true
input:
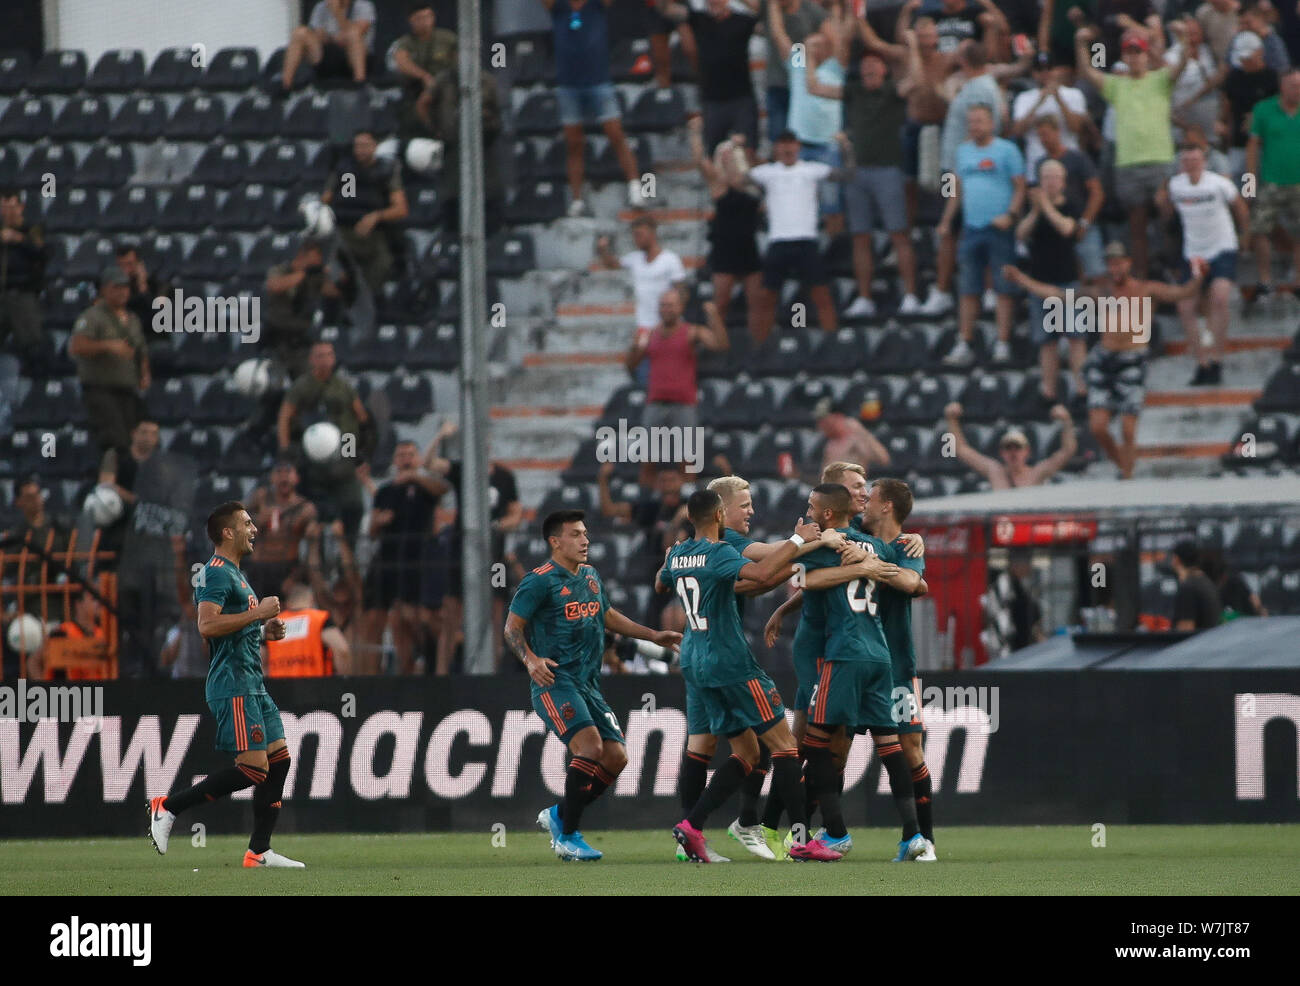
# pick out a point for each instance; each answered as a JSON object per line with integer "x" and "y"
{"x": 72, "y": 630}
{"x": 301, "y": 654}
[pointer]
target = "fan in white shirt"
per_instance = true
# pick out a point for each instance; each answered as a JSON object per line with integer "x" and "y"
{"x": 654, "y": 269}
{"x": 1052, "y": 96}
{"x": 1207, "y": 204}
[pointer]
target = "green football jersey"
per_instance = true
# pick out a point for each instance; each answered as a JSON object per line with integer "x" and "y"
{"x": 703, "y": 573}
{"x": 566, "y": 618}
{"x": 853, "y": 629}
{"x": 740, "y": 542}
{"x": 235, "y": 660}
{"x": 894, "y": 607}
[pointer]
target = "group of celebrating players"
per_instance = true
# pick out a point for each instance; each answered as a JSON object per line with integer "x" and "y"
{"x": 857, "y": 575}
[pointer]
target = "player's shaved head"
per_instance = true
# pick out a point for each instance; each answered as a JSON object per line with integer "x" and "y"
{"x": 702, "y": 507}
{"x": 834, "y": 497}
{"x": 223, "y": 519}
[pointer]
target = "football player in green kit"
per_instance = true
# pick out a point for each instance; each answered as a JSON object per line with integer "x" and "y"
{"x": 720, "y": 673}
{"x": 233, "y": 622}
{"x": 556, "y": 627}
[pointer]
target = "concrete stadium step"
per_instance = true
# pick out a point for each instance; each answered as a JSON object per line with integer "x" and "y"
{"x": 545, "y": 435}
{"x": 564, "y": 381}
{"x": 1244, "y": 371}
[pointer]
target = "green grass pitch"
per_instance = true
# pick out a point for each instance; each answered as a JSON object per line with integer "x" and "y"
{"x": 1189, "y": 860}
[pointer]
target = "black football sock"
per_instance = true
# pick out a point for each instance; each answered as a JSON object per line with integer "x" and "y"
{"x": 775, "y": 807}
{"x": 822, "y": 776}
{"x": 577, "y": 786}
{"x": 599, "y": 784}
{"x": 787, "y": 785}
{"x": 752, "y": 789}
{"x": 726, "y": 779}
{"x": 924, "y": 805}
{"x": 236, "y": 777}
{"x": 900, "y": 784}
{"x": 266, "y": 801}
{"x": 695, "y": 774}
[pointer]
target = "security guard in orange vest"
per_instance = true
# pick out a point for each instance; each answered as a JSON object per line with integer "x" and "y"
{"x": 312, "y": 646}
{"x": 86, "y": 624}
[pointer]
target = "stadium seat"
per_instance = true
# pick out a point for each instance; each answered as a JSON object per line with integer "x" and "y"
{"x": 256, "y": 116}
{"x": 1156, "y": 594}
{"x": 510, "y": 254}
{"x": 119, "y": 70}
{"x": 435, "y": 347}
{"x": 382, "y": 120}
{"x": 9, "y": 162}
{"x": 531, "y": 60}
{"x": 308, "y": 117}
{"x": 630, "y": 60}
{"x": 221, "y": 164}
{"x": 203, "y": 445}
{"x": 20, "y": 453}
{"x": 108, "y": 165}
{"x": 215, "y": 257}
{"x": 764, "y": 458}
{"x": 869, "y": 401}
{"x": 204, "y": 352}
{"x": 26, "y": 119}
{"x": 174, "y": 70}
{"x": 221, "y": 403}
{"x": 15, "y": 69}
{"x": 656, "y": 111}
{"x": 232, "y": 69}
{"x": 64, "y": 302}
{"x": 538, "y": 116}
{"x": 73, "y": 211}
{"x": 921, "y": 402}
{"x": 1260, "y": 543}
{"x": 606, "y": 167}
{"x": 89, "y": 259}
{"x": 627, "y": 403}
{"x": 551, "y": 163}
{"x": 48, "y": 402}
{"x": 164, "y": 255}
{"x": 254, "y": 204}
{"x": 425, "y": 207}
{"x": 1279, "y": 592}
{"x": 442, "y": 257}
{"x": 925, "y": 487}
{"x": 846, "y": 349}
{"x": 248, "y": 454}
{"x": 1282, "y": 392}
{"x": 171, "y": 401}
{"x": 266, "y": 251}
{"x": 907, "y": 448}
{"x": 280, "y": 163}
{"x": 713, "y": 396}
{"x": 796, "y": 408}
{"x": 570, "y": 496}
{"x": 449, "y": 307}
{"x": 410, "y": 396}
{"x": 900, "y": 350}
{"x": 985, "y": 398}
{"x": 386, "y": 349}
{"x": 737, "y": 359}
{"x": 79, "y": 456}
{"x": 275, "y": 65}
{"x": 198, "y": 117}
{"x": 837, "y": 258}
{"x": 782, "y": 355}
{"x": 526, "y": 158}
{"x": 1262, "y": 440}
{"x": 58, "y": 70}
{"x": 82, "y": 118}
{"x": 537, "y": 202}
{"x": 139, "y": 118}
{"x": 49, "y": 159}
{"x": 190, "y": 207}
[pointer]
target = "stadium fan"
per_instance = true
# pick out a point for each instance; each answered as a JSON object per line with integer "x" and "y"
{"x": 343, "y": 597}
{"x": 282, "y": 515}
{"x": 1207, "y": 204}
{"x": 324, "y": 393}
{"x": 1195, "y": 97}
{"x": 22, "y": 276}
{"x": 444, "y": 124}
{"x": 1082, "y": 185}
{"x": 1052, "y": 97}
{"x": 733, "y": 230}
{"x": 294, "y": 293}
{"x": 989, "y": 190}
{"x": 337, "y": 40}
{"x": 1115, "y": 369}
{"x": 585, "y": 93}
{"x": 1196, "y": 605}
{"x": 1050, "y": 231}
{"x": 660, "y": 515}
{"x": 145, "y": 287}
{"x": 32, "y": 524}
{"x": 108, "y": 345}
{"x": 1258, "y": 17}
{"x": 419, "y": 56}
{"x": 312, "y": 646}
{"x": 957, "y": 21}
{"x": 1012, "y": 468}
{"x": 1141, "y": 100}
{"x": 85, "y": 622}
{"x": 799, "y": 18}
{"x": 672, "y": 349}
{"x": 1273, "y": 155}
{"x": 846, "y": 437}
{"x": 654, "y": 270}
{"x": 1115, "y": 18}
{"x": 365, "y": 192}
{"x": 1218, "y": 20}
{"x": 1235, "y": 593}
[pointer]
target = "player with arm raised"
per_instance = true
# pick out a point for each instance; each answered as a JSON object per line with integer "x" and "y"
{"x": 556, "y": 627}
{"x": 233, "y": 622}
{"x": 720, "y": 673}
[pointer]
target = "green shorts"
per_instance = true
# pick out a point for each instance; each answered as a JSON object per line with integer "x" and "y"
{"x": 697, "y": 716}
{"x": 853, "y": 694}
{"x": 246, "y": 722}
{"x": 808, "y": 648}
{"x": 567, "y": 707}
{"x": 754, "y": 704}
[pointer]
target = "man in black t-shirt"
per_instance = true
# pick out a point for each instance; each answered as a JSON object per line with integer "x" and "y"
{"x": 1196, "y": 605}
{"x": 726, "y": 90}
{"x": 365, "y": 192}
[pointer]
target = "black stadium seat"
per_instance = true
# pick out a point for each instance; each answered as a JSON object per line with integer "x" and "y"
{"x": 131, "y": 208}
{"x": 385, "y": 350}
{"x": 108, "y": 165}
{"x": 410, "y": 396}
{"x": 630, "y": 60}
{"x": 188, "y": 207}
{"x": 539, "y": 115}
{"x": 537, "y": 202}
{"x": 796, "y": 410}
{"x": 442, "y": 256}
{"x": 174, "y": 70}
{"x": 280, "y": 163}
{"x": 232, "y": 68}
{"x": 255, "y": 116}
{"x": 78, "y": 457}
{"x": 89, "y": 259}
{"x": 139, "y": 118}
{"x": 171, "y": 401}
{"x": 510, "y": 254}
{"x": 869, "y": 401}
{"x": 657, "y": 111}
{"x": 531, "y": 60}
{"x": 845, "y": 349}
{"x": 764, "y": 459}
{"x": 922, "y": 402}
{"x": 26, "y": 119}
{"x": 1279, "y": 592}
{"x": 551, "y": 163}
{"x": 216, "y": 257}
{"x": 425, "y": 207}
{"x": 72, "y": 211}
{"x": 221, "y": 164}
{"x": 308, "y": 117}
{"x": 266, "y": 251}
{"x": 221, "y": 403}
{"x": 785, "y": 354}
{"x": 1282, "y": 392}
{"x": 197, "y": 117}
{"x": 15, "y": 69}
{"x": 1262, "y": 440}
{"x": 65, "y": 303}
{"x": 164, "y": 255}
{"x": 985, "y": 398}
{"x": 119, "y": 70}
{"x": 900, "y": 350}
{"x": 525, "y": 157}
{"x": 58, "y": 71}
{"x": 9, "y": 162}
{"x": 606, "y": 167}
{"x": 435, "y": 347}
{"x": 275, "y": 65}
{"x": 82, "y": 118}
{"x": 49, "y": 402}
{"x": 748, "y": 403}
{"x": 203, "y": 445}
{"x": 49, "y": 159}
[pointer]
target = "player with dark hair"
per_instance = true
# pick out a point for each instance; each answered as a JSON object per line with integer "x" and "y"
{"x": 720, "y": 673}
{"x": 556, "y": 627}
{"x": 234, "y": 623}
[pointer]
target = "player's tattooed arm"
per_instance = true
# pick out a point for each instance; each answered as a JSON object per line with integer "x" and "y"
{"x": 539, "y": 668}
